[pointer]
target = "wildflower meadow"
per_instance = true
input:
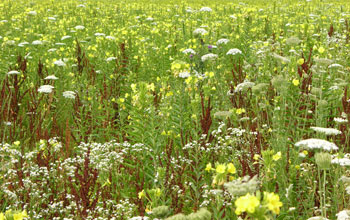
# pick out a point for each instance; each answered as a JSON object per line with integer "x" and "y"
{"x": 175, "y": 109}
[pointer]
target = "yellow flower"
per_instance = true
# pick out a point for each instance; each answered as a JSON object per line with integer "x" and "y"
{"x": 295, "y": 82}
{"x": 208, "y": 167}
{"x": 277, "y": 156}
{"x": 321, "y": 50}
{"x": 246, "y": 203}
{"x": 220, "y": 168}
{"x": 17, "y": 143}
{"x": 240, "y": 111}
{"x": 273, "y": 202}
{"x": 256, "y": 157}
{"x": 301, "y": 61}
{"x": 231, "y": 168}
{"x": 2, "y": 217}
{"x": 142, "y": 194}
{"x": 20, "y": 216}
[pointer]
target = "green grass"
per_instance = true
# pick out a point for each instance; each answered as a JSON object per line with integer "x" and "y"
{"x": 146, "y": 127}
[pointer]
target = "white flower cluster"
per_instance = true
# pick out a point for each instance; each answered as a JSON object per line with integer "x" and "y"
{"x": 234, "y": 51}
{"x": 222, "y": 41}
{"x": 314, "y": 143}
{"x": 244, "y": 86}
{"x": 206, "y": 9}
{"x": 45, "y": 89}
{"x": 199, "y": 31}
{"x": 189, "y": 51}
{"x": 209, "y": 56}
{"x": 345, "y": 161}
{"x": 326, "y": 131}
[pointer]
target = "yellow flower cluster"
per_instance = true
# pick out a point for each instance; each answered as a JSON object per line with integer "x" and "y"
{"x": 15, "y": 215}
{"x": 251, "y": 203}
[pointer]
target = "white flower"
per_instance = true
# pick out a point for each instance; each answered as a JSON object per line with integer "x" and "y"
{"x": 222, "y": 41}
{"x": 66, "y": 37}
{"x": 340, "y": 120}
{"x": 184, "y": 74}
{"x": 317, "y": 218}
{"x": 234, "y": 51}
{"x": 51, "y": 50}
{"x": 149, "y": 19}
{"x": 79, "y": 27}
{"x": 45, "y": 89}
{"x": 51, "y": 77}
{"x": 343, "y": 215}
{"x": 59, "y": 63}
{"x": 244, "y": 86}
{"x": 209, "y": 56}
{"x": 110, "y": 59}
{"x": 22, "y": 44}
{"x": 100, "y": 34}
{"x": 37, "y": 42}
{"x": 189, "y": 51}
{"x": 233, "y": 17}
{"x": 139, "y": 218}
{"x": 326, "y": 131}
{"x": 206, "y": 9}
{"x": 314, "y": 143}
{"x": 69, "y": 94}
{"x": 110, "y": 38}
{"x": 345, "y": 161}
{"x": 280, "y": 58}
{"x": 13, "y": 72}
{"x": 199, "y": 31}
{"x": 335, "y": 65}
{"x": 32, "y": 13}
{"x": 52, "y": 18}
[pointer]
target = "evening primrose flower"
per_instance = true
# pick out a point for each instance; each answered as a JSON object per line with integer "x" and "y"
{"x": 295, "y": 82}
{"x": 301, "y": 61}
{"x": 277, "y": 156}
{"x": 231, "y": 168}
{"x": 321, "y": 50}
{"x": 273, "y": 202}
{"x": 247, "y": 203}
{"x": 141, "y": 194}
{"x": 220, "y": 168}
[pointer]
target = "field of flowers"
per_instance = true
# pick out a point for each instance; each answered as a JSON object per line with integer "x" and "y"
{"x": 176, "y": 110}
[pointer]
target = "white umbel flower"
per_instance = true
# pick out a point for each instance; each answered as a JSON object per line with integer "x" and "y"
{"x": 45, "y": 89}
{"x": 189, "y": 51}
{"x": 79, "y": 27}
{"x": 326, "y": 131}
{"x": 209, "y": 56}
{"x": 13, "y": 72}
{"x": 340, "y": 120}
{"x": 335, "y": 65}
{"x": 59, "y": 63}
{"x": 51, "y": 77}
{"x": 234, "y": 51}
{"x": 66, "y": 37}
{"x": 110, "y": 59}
{"x": 343, "y": 215}
{"x": 206, "y": 9}
{"x": 184, "y": 74}
{"x": 317, "y": 218}
{"x": 32, "y": 13}
{"x": 314, "y": 143}
{"x": 244, "y": 86}
{"x": 200, "y": 31}
{"x": 69, "y": 94}
{"x": 37, "y": 42}
{"x": 222, "y": 41}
